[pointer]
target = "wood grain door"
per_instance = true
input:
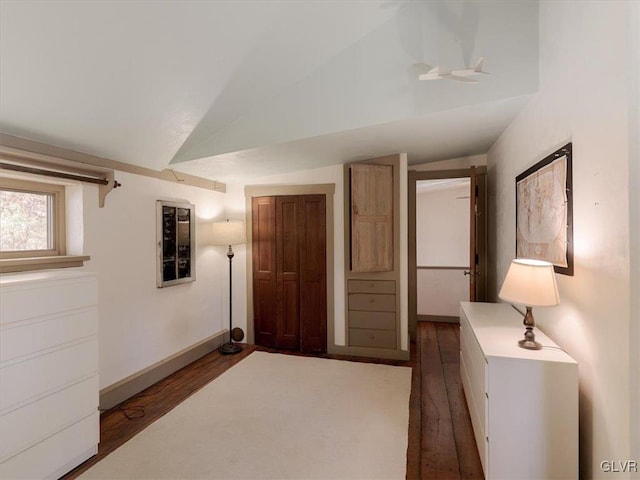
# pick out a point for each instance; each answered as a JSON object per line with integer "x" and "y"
{"x": 313, "y": 274}
{"x": 289, "y": 272}
{"x": 478, "y": 237}
{"x": 371, "y": 218}
{"x": 263, "y": 224}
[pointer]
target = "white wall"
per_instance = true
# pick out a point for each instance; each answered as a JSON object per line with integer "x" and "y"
{"x": 633, "y": 56}
{"x": 442, "y": 226}
{"x": 583, "y": 73}
{"x": 139, "y": 323}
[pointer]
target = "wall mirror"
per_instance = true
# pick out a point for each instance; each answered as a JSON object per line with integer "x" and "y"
{"x": 175, "y": 243}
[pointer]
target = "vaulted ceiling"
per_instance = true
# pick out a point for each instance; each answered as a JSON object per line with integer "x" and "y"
{"x": 234, "y": 89}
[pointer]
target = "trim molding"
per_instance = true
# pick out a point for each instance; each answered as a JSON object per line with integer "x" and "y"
{"x": 438, "y": 318}
{"x": 386, "y": 353}
{"x": 133, "y": 384}
{"x": 11, "y": 146}
{"x": 10, "y": 265}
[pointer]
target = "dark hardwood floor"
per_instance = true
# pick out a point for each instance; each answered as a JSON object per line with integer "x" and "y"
{"x": 441, "y": 443}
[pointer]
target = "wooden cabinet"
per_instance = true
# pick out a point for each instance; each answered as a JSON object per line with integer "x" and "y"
{"x": 372, "y": 249}
{"x": 523, "y": 403}
{"x": 372, "y": 313}
{"x": 371, "y": 218}
{"x": 48, "y": 373}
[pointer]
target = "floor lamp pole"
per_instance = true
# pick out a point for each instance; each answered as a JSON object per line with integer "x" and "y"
{"x": 230, "y": 347}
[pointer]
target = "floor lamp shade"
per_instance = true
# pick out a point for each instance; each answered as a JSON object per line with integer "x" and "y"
{"x": 229, "y": 233}
{"x": 531, "y": 283}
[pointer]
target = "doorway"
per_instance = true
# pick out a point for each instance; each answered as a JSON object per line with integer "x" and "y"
{"x": 289, "y": 272}
{"x": 447, "y": 242}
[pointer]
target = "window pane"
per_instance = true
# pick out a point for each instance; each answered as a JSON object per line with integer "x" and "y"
{"x": 24, "y": 221}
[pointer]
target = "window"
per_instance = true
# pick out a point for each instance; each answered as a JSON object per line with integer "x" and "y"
{"x": 32, "y": 222}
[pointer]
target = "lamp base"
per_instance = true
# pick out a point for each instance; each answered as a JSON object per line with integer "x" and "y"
{"x": 230, "y": 347}
{"x": 530, "y": 344}
{"x": 529, "y": 340}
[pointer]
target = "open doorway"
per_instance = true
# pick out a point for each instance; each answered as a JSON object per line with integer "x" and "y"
{"x": 447, "y": 242}
{"x": 442, "y": 247}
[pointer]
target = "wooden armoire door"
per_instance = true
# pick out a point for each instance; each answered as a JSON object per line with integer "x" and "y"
{"x": 263, "y": 224}
{"x": 289, "y": 272}
{"x": 313, "y": 274}
{"x": 287, "y": 237}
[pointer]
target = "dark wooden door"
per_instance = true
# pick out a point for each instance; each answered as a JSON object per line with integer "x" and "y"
{"x": 313, "y": 274}
{"x": 289, "y": 272}
{"x": 263, "y": 225}
{"x": 478, "y": 237}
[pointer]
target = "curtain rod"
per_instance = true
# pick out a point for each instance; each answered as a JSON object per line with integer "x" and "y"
{"x": 53, "y": 173}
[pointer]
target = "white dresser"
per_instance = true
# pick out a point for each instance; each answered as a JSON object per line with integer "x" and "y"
{"x": 49, "y": 419}
{"x": 523, "y": 403}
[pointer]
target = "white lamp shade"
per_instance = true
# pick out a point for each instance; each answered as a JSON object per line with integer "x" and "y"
{"x": 229, "y": 233}
{"x": 531, "y": 283}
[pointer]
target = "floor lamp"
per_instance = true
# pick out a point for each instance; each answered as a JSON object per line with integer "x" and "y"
{"x": 229, "y": 233}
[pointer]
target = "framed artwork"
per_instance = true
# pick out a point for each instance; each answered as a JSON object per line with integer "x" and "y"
{"x": 176, "y": 223}
{"x": 544, "y": 211}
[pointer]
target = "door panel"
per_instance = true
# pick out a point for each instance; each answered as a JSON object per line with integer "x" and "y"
{"x": 481, "y": 238}
{"x": 313, "y": 275}
{"x": 472, "y": 236}
{"x": 287, "y": 268}
{"x": 478, "y": 237}
{"x": 371, "y": 218}
{"x": 264, "y": 270}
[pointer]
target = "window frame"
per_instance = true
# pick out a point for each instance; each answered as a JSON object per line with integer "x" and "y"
{"x": 58, "y": 225}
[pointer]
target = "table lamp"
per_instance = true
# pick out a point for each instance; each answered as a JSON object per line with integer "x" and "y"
{"x": 531, "y": 283}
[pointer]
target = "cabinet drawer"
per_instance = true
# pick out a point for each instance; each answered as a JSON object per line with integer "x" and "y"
{"x": 25, "y": 338}
{"x": 372, "y": 302}
{"x": 50, "y": 458}
{"x": 31, "y": 378}
{"x": 372, "y": 286}
{"x": 476, "y": 369}
{"x": 376, "y": 320}
{"x": 22, "y": 302}
{"x": 476, "y": 412}
{"x": 366, "y": 337}
{"x": 26, "y": 426}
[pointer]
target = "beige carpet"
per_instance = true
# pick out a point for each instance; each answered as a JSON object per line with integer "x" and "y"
{"x": 278, "y": 416}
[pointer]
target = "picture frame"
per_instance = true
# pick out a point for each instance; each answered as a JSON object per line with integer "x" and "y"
{"x": 544, "y": 211}
{"x": 175, "y": 236}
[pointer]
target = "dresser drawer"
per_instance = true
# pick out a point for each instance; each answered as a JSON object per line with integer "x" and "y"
{"x": 372, "y": 286}
{"x": 26, "y": 380}
{"x": 24, "y": 427}
{"x": 366, "y": 337}
{"x": 50, "y": 458}
{"x": 33, "y": 300}
{"x": 29, "y": 337}
{"x": 376, "y": 320}
{"x": 372, "y": 302}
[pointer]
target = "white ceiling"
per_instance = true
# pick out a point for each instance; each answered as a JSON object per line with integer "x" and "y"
{"x": 234, "y": 89}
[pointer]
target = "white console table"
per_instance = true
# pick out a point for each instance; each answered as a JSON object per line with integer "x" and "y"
{"x": 523, "y": 403}
{"x": 49, "y": 420}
